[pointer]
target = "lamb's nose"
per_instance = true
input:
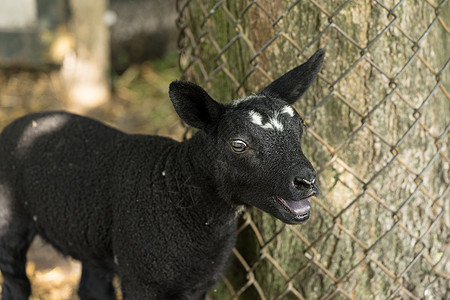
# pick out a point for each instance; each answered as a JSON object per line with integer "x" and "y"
{"x": 307, "y": 185}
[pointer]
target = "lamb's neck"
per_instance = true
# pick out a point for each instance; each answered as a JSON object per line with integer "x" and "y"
{"x": 196, "y": 179}
{"x": 194, "y": 159}
{"x": 201, "y": 154}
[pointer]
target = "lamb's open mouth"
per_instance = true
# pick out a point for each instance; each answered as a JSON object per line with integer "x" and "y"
{"x": 300, "y": 208}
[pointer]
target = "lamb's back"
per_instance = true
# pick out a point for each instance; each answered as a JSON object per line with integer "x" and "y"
{"x": 62, "y": 169}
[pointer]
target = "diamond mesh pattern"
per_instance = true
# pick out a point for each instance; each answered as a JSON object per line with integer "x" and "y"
{"x": 377, "y": 131}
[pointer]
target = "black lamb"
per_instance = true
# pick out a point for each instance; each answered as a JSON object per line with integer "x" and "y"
{"x": 159, "y": 213}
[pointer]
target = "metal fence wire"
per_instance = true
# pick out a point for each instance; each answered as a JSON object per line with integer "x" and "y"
{"x": 377, "y": 132}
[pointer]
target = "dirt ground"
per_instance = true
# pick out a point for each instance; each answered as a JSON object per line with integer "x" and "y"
{"x": 140, "y": 104}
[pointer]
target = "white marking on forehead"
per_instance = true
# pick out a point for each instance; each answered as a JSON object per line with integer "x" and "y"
{"x": 288, "y": 110}
{"x": 255, "y": 118}
{"x": 273, "y": 122}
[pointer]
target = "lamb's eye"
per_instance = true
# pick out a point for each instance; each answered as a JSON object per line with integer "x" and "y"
{"x": 238, "y": 145}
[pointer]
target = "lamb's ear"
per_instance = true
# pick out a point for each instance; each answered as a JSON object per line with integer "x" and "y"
{"x": 194, "y": 105}
{"x": 292, "y": 85}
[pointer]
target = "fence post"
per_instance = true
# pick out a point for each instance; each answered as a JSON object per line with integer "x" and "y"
{"x": 85, "y": 71}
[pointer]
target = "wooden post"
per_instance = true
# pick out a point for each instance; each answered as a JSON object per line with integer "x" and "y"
{"x": 85, "y": 70}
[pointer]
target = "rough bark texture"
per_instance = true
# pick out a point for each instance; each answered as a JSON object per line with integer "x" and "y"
{"x": 377, "y": 132}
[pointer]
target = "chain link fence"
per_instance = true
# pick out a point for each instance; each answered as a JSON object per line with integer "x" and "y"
{"x": 377, "y": 131}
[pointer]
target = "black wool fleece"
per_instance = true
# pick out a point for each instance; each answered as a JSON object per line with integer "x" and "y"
{"x": 158, "y": 213}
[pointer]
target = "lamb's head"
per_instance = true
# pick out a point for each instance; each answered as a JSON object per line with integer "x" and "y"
{"x": 258, "y": 159}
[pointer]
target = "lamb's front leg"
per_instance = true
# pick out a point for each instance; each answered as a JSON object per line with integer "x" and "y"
{"x": 96, "y": 284}
{"x": 153, "y": 294}
{"x": 137, "y": 288}
{"x": 14, "y": 243}
{"x": 130, "y": 291}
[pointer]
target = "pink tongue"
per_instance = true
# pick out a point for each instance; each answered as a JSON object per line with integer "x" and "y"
{"x": 301, "y": 207}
